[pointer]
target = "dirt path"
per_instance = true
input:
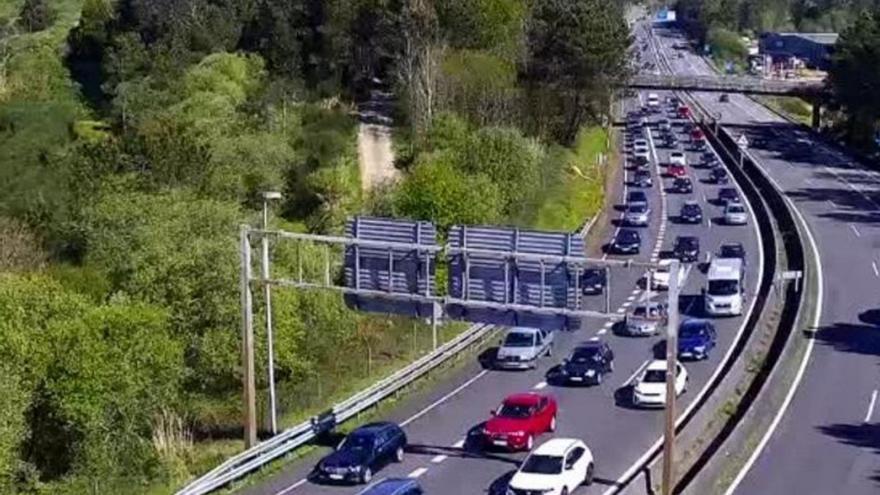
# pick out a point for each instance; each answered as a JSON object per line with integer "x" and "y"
{"x": 375, "y": 153}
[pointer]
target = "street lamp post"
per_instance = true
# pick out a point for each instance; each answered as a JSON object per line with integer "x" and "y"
{"x": 671, "y": 368}
{"x": 267, "y": 294}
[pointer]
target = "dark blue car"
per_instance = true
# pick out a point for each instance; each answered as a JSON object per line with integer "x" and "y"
{"x": 696, "y": 339}
{"x": 363, "y": 452}
{"x": 395, "y": 486}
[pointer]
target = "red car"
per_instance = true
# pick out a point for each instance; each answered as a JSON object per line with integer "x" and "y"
{"x": 684, "y": 112}
{"x": 697, "y": 135}
{"x": 519, "y": 420}
{"x": 676, "y": 170}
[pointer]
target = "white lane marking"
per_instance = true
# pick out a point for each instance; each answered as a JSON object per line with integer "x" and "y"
{"x": 437, "y": 459}
{"x": 631, "y": 297}
{"x": 602, "y": 331}
{"x": 417, "y": 472}
{"x": 621, "y": 310}
{"x": 594, "y": 339}
{"x": 637, "y": 372}
{"x": 459, "y": 444}
{"x": 871, "y": 406}
{"x": 876, "y": 270}
{"x": 832, "y": 204}
{"x": 626, "y": 304}
{"x": 292, "y": 487}
{"x": 855, "y": 230}
{"x": 854, "y": 188}
{"x": 443, "y": 399}
{"x": 539, "y": 386}
{"x": 608, "y": 324}
{"x": 808, "y": 181}
{"x": 370, "y": 486}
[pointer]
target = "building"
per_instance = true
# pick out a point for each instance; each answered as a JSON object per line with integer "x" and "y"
{"x": 787, "y": 50}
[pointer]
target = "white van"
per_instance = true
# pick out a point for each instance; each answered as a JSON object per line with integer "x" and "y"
{"x": 723, "y": 295}
{"x": 653, "y": 101}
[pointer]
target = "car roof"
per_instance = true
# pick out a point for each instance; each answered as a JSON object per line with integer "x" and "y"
{"x": 677, "y": 153}
{"x": 732, "y": 245}
{"x": 392, "y": 486}
{"x": 556, "y": 446}
{"x": 687, "y": 238}
{"x": 695, "y": 322}
{"x": 375, "y": 427}
{"x": 525, "y": 398}
{"x": 637, "y": 194}
{"x": 523, "y": 330}
{"x": 657, "y": 364}
{"x": 595, "y": 344}
{"x": 691, "y": 202}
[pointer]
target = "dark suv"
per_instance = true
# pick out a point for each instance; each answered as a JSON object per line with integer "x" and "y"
{"x": 593, "y": 281}
{"x": 365, "y": 450}
{"x": 588, "y": 364}
{"x": 687, "y": 248}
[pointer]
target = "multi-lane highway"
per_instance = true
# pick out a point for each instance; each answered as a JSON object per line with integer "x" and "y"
{"x": 444, "y": 450}
{"x": 828, "y": 437}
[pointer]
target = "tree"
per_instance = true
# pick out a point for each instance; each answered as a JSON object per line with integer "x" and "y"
{"x": 577, "y": 55}
{"x": 36, "y": 15}
{"x": 419, "y": 61}
{"x": 855, "y": 77}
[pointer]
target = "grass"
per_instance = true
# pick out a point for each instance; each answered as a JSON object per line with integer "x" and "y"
{"x": 580, "y": 191}
{"x": 793, "y": 108}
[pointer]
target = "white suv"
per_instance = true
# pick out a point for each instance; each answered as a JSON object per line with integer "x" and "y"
{"x": 677, "y": 158}
{"x": 557, "y": 467}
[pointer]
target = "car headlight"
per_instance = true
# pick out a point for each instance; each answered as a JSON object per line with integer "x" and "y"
{"x": 354, "y": 469}
{"x": 591, "y": 373}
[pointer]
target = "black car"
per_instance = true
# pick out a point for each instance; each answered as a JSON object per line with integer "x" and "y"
{"x": 365, "y": 450}
{"x": 691, "y": 212}
{"x": 593, "y": 281}
{"x": 732, "y": 250}
{"x": 587, "y": 364}
{"x": 728, "y": 195}
{"x": 682, "y": 185}
{"x": 642, "y": 178}
{"x": 719, "y": 176}
{"x": 687, "y": 248}
{"x": 627, "y": 241}
{"x": 636, "y": 198}
{"x": 724, "y": 98}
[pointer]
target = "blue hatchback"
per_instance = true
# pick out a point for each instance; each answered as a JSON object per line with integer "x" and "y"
{"x": 696, "y": 339}
{"x": 395, "y": 486}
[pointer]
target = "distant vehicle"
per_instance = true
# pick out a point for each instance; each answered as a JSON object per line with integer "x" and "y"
{"x": 593, "y": 281}
{"x": 664, "y": 125}
{"x": 683, "y": 185}
{"x": 724, "y": 98}
{"x": 645, "y": 319}
{"x": 364, "y": 451}
{"x": 669, "y": 140}
{"x": 735, "y": 214}
{"x": 519, "y": 419}
{"x": 728, "y": 195}
{"x": 587, "y": 364}
{"x": 556, "y": 467}
{"x": 696, "y": 339}
{"x": 684, "y": 112}
{"x": 719, "y": 176}
{"x": 676, "y": 170}
{"x": 650, "y": 386}
{"x": 636, "y": 198}
{"x": 637, "y": 215}
{"x": 642, "y": 178}
{"x": 660, "y": 276}
{"x": 640, "y": 143}
{"x": 691, "y": 212}
{"x": 677, "y": 158}
{"x": 687, "y": 248}
{"x": 641, "y": 155}
{"x": 653, "y": 101}
{"x": 522, "y": 347}
{"x": 732, "y": 250}
{"x": 723, "y": 294}
{"x": 395, "y": 486}
{"x": 627, "y": 241}
{"x": 697, "y": 135}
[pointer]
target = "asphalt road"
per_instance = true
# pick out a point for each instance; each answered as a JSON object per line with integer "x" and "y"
{"x": 828, "y": 441}
{"x": 440, "y": 427}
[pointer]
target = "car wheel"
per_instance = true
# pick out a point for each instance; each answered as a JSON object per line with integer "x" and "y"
{"x": 564, "y": 490}
{"x": 552, "y": 427}
{"x": 366, "y": 475}
{"x": 549, "y": 351}
{"x": 588, "y": 477}
{"x": 530, "y": 442}
{"x": 398, "y": 454}
{"x": 599, "y": 378}
{"x": 611, "y": 366}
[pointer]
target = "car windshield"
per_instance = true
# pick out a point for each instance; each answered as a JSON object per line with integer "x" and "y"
{"x": 637, "y": 197}
{"x": 514, "y": 410}
{"x": 592, "y": 274}
{"x": 723, "y": 287}
{"x": 638, "y": 209}
{"x": 727, "y": 193}
{"x": 691, "y": 330}
{"x": 646, "y": 311}
{"x": 519, "y": 339}
{"x": 585, "y": 355}
{"x": 690, "y": 208}
{"x": 628, "y": 236}
{"x": 655, "y": 376}
{"x": 731, "y": 252}
{"x": 687, "y": 243}
{"x": 735, "y": 209}
{"x": 542, "y": 464}
{"x": 357, "y": 441}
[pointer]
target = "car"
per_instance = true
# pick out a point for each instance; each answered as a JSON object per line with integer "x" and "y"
{"x": 641, "y": 156}
{"x": 637, "y": 215}
{"x": 682, "y": 185}
{"x": 677, "y": 158}
{"x": 724, "y": 98}
{"x": 593, "y": 281}
{"x": 636, "y": 198}
{"x": 728, "y": 195}
{"x": 394, "y": 486}
{"x": 669, "y": 140}
{"x": 676, "y": 171}
{"x": 644, "y": 319}
{"x": 640, "y": 143}
{"x": 649, "y": 389}
{"x": 684, "y": 112}
{"x": 587, "y": 364}
{"x": 557, "y": 467}
{"x": 732, "y": 250}
{"x": 735, "y": 214}
{"x": 719, "y": 176}
{"x": 519, "y": 419}
{"x": 698, "y": 145}
{"x": 642, "y": 178}
{"x": 522, "y": 347}
{"x": 691, "y": 212}
{"x": 660, "y": 275}
{"x": 664, "y": 125}
{"x": 653, "y": 102}
{"x": 687, "y": 248}
{"x": 363, "y": 452}
{"x": 627, "y": 241}
{"x": 696, "y": 339}
{"x": 697, "y": 134}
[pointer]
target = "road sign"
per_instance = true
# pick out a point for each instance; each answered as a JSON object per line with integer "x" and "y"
{"x": 742, "y": 142}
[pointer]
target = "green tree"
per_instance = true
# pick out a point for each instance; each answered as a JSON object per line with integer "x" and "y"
{"x": 493, "y": 25}
{"x": 36, "y": 15}
{"x": 855, "y": 77}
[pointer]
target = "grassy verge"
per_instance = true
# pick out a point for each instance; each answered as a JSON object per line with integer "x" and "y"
{"x": 794, "y": 108}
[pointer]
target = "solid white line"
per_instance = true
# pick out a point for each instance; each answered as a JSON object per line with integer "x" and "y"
{"x": 417, "y": 472}
{"x": 539, "y": 386}
{"x": 637, "y": 372}
{"x": 855, "y": 230}
{"x": 439, "y": 458}
{"x": 876, "y": 270}
{"x": 871, "y": 406}
{"x": 443, "y": 399}
{"x": 292, "y": 487}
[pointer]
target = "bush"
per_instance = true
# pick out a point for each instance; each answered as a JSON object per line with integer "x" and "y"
{"x": 36, "y": 15}
{"x": 727, "y": 46}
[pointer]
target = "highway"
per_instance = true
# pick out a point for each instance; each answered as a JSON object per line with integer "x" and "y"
{"x": 828, "y": 438}
{"x": 441, "y": 425}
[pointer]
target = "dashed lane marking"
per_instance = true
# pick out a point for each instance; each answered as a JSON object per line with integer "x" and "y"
{"x": 540, "y": 386}
{"x": 855, "y": 230}
{"x": 626, "y": 304}
{"x": 602, "y": 331}
{"x": 608, "y": 324}
{"x": 876, "y": 270}
{"x": 631, "y": 297}
{"x": 417, "y": 472}
{"x": 871, "y": 406}
{"x": 621, "y": 310}
{"x": 439, "y": 458}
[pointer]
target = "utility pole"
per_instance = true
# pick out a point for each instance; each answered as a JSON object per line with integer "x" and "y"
{"x": 671, "y": 365}
{"x": 267, "y": 295}
{"x": 247, "y": 342}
